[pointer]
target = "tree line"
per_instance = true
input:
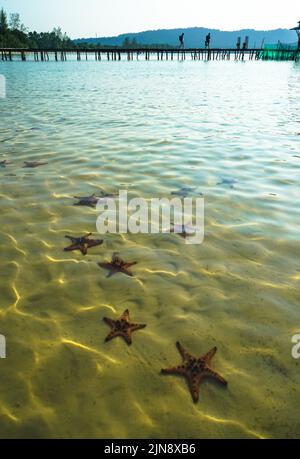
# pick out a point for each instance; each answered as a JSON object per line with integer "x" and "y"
{"x": 133, "y": 44}
{"x": 13, "y": 34}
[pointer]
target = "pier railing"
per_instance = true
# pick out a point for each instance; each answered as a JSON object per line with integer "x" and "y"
{"x": 118, "y": 54}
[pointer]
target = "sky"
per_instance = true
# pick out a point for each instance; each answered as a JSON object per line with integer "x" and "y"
{"x": 90, "y": 18}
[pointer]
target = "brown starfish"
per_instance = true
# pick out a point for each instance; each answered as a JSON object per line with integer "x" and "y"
{"x": 122, "y": 327}
{"x": 82, "y": 243}
{"x": 195, "y": 370}
{"x": 117, "y": 265}
{"x": 184, "y": 231}
{"x": 183, "y": 192}
{"x": 92, "y": 200}
{"x": 33, "y": 164}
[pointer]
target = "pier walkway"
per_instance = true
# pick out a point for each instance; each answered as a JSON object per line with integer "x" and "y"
{"x": 118, "y": 54}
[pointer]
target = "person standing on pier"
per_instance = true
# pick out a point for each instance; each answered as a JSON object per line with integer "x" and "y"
{"x": 181, "y": 41}
{"x": 207, "y": 41}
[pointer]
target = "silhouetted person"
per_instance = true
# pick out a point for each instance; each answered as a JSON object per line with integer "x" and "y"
{"x": 181, "y": 41}
{"x": 246, "y": 43}
{"x": 207, "y": 41}
{"x": 238, "y": 43}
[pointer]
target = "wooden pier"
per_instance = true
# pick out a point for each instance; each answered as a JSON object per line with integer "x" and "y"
{"x": 119, "y": 54}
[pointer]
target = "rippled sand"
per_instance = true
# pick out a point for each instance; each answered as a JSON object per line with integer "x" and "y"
{"x": 150, "y": 128}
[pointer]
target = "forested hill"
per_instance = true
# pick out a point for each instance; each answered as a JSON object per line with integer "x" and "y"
{"x": 195, "y": 37}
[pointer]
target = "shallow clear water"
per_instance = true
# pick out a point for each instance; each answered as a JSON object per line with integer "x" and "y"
{"x": 150, "y": 128}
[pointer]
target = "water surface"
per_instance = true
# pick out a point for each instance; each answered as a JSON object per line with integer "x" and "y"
{"x": 228, "y": 130}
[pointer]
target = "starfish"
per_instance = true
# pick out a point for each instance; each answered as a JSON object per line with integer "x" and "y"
{"x": 91, "y": 201}
{"x": 227, "y": 181}
{"x": 195, "y": 370}
{"x": 117, "y": 265}
{"x": 183, "y": 230}
{"x": 33, "y": 164}
{"x": 4, "y": 163}
{"x": 183, "y": 192}
{"x": 82, "y": 243}
{"x": 122, "y": 327}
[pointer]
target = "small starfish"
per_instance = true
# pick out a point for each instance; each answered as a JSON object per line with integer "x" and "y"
{"x": 195, "y": 370}
{"x": 228, "y": 182}
{"x": 91, "y": 201}
{"x": 4, "y": 163}
{"x": 122, "y": 327}
{"x": 117, "y": 265}
{"x": 183, "y": 192}
{"x": 33, "y": 164}
{"x": 82, "y": 243}
{"x": 183, "y": 230}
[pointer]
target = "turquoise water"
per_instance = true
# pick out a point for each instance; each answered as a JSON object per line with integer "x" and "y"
{"x": 228, "y": 130}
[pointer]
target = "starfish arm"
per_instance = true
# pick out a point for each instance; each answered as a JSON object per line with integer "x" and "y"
{"x": 128, "y": 265}
{"x": 125, "y": 315}
{"x": 109, "y": 322}
{"x": 95, "y": 243}
{"x": 83, "y": 249}
{"x": 135, "y": 327}
{"x": 111, "y": 336}
{"x": 126, "y": 271}
{"x": 72, "y": 247}
{"x": 208, "y": 357}
{"x": 194, "y": 386}
{"x": 184, "y": 354}
{"x": 109, "y": 267}
{"x": 127, "y": 337}
{"x": 180, "y": 370}
{"x": 115, "y": 257}
{"x": 213, "y": 374}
